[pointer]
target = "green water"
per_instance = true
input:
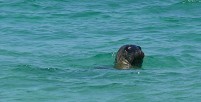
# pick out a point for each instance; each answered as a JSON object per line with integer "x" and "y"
{"x": 63, "y": 50}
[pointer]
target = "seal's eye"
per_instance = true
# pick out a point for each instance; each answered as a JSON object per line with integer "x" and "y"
{"x": 129, "y": 49}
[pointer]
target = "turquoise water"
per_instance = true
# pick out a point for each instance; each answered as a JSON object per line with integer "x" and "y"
{"x": 63, "y": 50}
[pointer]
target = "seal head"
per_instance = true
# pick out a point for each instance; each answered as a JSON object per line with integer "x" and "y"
{"x": 129, "y": 56}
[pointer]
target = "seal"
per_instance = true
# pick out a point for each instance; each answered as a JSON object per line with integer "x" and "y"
{"x": 129, "y": 56}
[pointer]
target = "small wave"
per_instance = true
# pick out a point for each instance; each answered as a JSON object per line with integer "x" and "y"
{"x": 162, "y": 61}
{"x": 34, "y": 69}
{"x": 101, "y": 59}
{"x": 85, "y": 14}
{"x": 191, "y": 1}
{"x": 13, "y": 53}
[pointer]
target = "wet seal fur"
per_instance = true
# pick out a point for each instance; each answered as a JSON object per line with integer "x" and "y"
{"x": 129, "y": 56}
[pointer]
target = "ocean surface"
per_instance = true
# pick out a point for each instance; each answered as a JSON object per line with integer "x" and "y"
{"x": 64, "y": 50}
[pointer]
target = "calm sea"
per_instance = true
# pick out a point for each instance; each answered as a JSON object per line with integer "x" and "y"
{"x": 63, "y": 50}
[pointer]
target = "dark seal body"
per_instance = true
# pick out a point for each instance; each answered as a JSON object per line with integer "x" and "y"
{"x": 129, "y": 56}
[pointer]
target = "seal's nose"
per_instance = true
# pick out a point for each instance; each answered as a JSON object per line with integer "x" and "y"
{"x": 139, "y": 54}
